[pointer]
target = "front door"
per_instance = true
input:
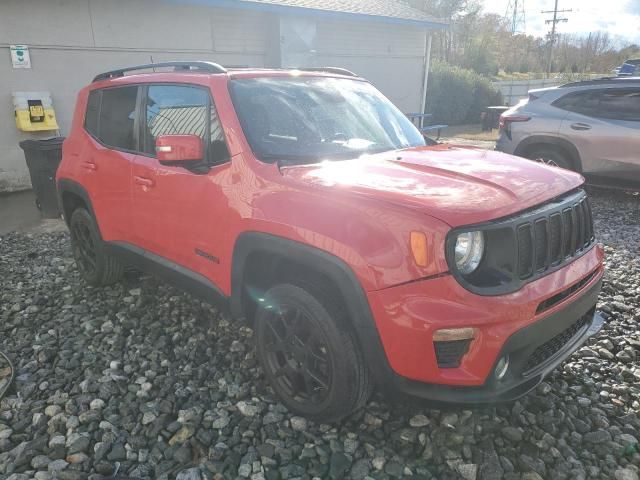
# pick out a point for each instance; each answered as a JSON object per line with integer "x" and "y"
{"x": 604, "y": 125}
{"x": 179, "y": 214}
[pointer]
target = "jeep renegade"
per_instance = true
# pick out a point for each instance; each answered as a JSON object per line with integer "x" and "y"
{"x": 311, "y": 207}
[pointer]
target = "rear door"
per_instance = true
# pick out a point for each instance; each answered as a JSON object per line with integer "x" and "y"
{"x": 180, "y": 214}
{"x": 604, "y": 124}
{"x": 107, "y": 158}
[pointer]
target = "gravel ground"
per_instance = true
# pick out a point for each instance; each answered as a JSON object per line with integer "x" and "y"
{"x": 144, "y": 380}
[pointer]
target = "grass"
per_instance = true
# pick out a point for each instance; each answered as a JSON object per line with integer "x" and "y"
{"x": 470, "y": 132}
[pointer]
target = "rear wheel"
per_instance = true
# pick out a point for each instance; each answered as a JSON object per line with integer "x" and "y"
{"x": 309, "y": 355}
{"x": 96, "y": 266}
{"x": 551, "y": 156}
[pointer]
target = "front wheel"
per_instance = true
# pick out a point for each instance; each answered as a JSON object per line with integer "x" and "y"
{"x": 96, "y": 265}
{"x": 309, "y": 355}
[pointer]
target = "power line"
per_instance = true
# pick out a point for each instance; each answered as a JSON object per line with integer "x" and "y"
{"x": 552, "y": 35}
{"x": 515, "y": 16}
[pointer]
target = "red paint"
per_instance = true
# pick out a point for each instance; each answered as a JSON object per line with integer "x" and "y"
{"x": 175, "y": 148}
{"x": 407, "y": 316}
{"x": 361, "y": 211}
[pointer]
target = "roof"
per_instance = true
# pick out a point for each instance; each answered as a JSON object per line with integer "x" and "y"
{"x": 385, "y": 11}
{"x": 200, "y": 66}
{"x": 618, "y": 81}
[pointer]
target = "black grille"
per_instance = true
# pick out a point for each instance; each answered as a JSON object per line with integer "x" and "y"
{"x": 550, "y": 240}
{"x": 531, "y": 244}
{"x": 553, "y": 346}
{"x": 550, "y": 302}
{"x": 555, "y": 237}
{"x": 450, "y": 353}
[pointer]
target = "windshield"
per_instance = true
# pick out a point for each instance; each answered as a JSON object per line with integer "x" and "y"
{"x": 309, "y": 119}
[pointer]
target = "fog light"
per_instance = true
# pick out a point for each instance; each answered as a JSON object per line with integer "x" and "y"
{"x": 502, "y": 367}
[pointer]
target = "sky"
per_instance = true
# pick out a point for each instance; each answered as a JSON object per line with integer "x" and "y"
{"x": 621, "y": 18}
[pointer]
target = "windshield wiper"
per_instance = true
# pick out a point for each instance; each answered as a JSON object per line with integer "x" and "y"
{"x": 285, "y": 160}
{"x": 288, "y": 160}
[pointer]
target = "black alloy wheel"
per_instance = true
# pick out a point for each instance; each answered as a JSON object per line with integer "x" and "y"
{"x": 97, "y": 266}
{"x": 84, "y": 248}
{"x": 296, "y": 353}
{"x": 309, "y": 353}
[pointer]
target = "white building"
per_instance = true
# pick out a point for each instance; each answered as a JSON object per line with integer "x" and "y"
{"x": 70, "y": 41}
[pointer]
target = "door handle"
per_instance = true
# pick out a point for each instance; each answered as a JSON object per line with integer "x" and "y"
{"x": 581, "y": 126}
{"x": 90, "y": 165}
{"x": 144, "y": 181}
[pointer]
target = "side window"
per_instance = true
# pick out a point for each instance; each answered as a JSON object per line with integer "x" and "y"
{"x": 620, "y": 104}
{"x": 117, "y": 117}
{"x": 91, "y": 115}
{"x": 612, "y": 103}
{"x": 585, "y": 103}
{"x": 181, "y": 110}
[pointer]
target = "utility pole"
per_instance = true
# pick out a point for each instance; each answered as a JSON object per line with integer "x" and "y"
{"x": 515, "y": 16}
{"x": 552, "y": 35}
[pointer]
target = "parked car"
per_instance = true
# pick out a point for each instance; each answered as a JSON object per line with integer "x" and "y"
{"x": 310, "y": 206}
{"x": 629, "y": 67}
{"x": 591, "y": 127}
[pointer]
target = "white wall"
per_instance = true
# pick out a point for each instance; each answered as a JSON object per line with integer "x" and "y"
{"x": 70, "y": 41}
{"x": 390, "y": 56}
{"x": 515, "y": 90}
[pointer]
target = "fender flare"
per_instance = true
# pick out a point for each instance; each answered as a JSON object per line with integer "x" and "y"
{"x": 566, "y": 145}
{"x": 333, "y": 268}
{"x": 65, "y": 185}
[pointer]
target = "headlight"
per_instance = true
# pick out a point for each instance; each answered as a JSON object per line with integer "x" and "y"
{"x": 469, "y": 250}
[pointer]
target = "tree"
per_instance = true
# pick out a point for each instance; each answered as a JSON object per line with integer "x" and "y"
{"x": 483, "y": 43}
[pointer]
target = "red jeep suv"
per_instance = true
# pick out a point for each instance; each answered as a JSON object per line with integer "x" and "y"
{"x": 361, "y": 254}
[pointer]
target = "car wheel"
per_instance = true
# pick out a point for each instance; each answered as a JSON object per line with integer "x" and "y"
{"x": 96, "y": 266}
{"x": 550, "y": 156}
{"x": 309, "y": 355}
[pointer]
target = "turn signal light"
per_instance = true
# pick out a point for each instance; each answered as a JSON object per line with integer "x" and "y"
{"x": 507, "y": 120}
{"x": 419, "y": 248}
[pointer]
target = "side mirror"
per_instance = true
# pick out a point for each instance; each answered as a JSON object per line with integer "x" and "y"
{"x": 179, "y": 149}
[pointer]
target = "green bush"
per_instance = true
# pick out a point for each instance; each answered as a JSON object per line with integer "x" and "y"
{"x": 457, "y": 96}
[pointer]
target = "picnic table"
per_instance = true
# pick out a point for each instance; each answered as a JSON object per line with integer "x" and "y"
{"x": 419, "y": 120}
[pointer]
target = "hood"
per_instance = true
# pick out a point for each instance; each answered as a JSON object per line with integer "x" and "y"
{"x": 458, "y": 185}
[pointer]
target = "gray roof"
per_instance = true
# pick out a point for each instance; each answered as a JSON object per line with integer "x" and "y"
{"x": 387, "y": 11}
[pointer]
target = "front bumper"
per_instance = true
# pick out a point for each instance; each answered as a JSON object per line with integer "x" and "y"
{"x": 536, "y": 342}
{"x": 520, "y": 347}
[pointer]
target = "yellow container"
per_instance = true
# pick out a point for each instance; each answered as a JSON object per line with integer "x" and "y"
{"x": 34, "y": 111}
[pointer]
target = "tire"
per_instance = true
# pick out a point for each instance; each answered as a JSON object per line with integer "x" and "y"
{"x": 97, "y": 267}
{"x": 551, "y": 156}
{"x": 309, "y": 355}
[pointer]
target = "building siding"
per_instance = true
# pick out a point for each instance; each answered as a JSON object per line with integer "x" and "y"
{"x": 390, "y": 57}
{"x": 70, "y": 41}
{"x": 369, "y": 39}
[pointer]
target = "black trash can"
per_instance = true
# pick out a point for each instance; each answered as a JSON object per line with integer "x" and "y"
{"x": 43, "y": 158}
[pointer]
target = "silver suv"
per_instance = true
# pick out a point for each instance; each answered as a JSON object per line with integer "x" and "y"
{"x": 592, "y": 127}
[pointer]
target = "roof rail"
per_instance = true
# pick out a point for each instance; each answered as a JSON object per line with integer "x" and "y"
{"x": 597, "y": 81}
{"x": 204, "y": 67}
{"x": 336, "y": 70}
